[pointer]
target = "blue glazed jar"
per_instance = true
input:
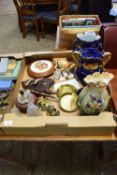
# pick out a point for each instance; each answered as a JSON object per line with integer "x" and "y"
{"x": 79, "y": 43}
{"x": 87, "y": 66}
{"x": 89, "y": 56}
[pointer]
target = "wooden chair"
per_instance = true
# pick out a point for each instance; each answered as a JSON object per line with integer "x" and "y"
{"x": 52, "y": 15}
{"x": 19, "y": 19}
{"x": 75, "y": 6}
{"x": 110, "y": 43}
{"x": 27, "y": 14}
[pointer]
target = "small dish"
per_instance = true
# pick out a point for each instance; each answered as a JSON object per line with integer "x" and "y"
{"x": 40, "y": 68}
{"x": 68, "y": 102}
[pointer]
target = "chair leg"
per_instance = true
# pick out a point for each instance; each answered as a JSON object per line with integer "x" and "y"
{"x": 23, "y": 29}
{"x": 42, "y": 29}
{"x": 37, "y": 29}
{"x": 19, "y": 23}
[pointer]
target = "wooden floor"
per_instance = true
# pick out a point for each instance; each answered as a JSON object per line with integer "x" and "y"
{"x": 7, "y": 7}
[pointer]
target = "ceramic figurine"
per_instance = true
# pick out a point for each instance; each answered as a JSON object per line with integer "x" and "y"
{"x": 57, "y": 74}
{"x": 60, "y": 75}
{"x": 45, "y": 105}
{"x": 95, "y": 97}
{"x": 23, "y": 98}
{"x": 61, "y": 63}
{"x": 63, "y": 69}
{"x": 52, "y": 111}
{"x": 88, "y": 55}
{"x": 32, "y": 109}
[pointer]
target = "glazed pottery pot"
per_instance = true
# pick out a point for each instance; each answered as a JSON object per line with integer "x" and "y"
{"x": 88, "y": 55}
{"x": 88, "y": 65}
{"x": 93, "y": 99}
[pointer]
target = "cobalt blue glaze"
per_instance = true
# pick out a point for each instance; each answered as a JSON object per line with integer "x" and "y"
{"x": 91, "y": 54}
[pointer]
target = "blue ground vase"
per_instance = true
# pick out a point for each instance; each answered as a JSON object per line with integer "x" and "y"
{"x": 89, "y": 57}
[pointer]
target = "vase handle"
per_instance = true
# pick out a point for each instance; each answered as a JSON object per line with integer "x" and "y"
{"x": 76, "y": 58}
{"x": 106, "y": 58}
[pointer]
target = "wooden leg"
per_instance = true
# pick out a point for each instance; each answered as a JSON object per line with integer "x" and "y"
{"x": 42, "y": 29}
{"x": 37, "y": 29}
{"x": 23, "y": 29}
{"x": 19, "y": 23}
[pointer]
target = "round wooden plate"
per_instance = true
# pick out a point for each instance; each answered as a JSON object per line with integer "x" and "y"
{"x": 40, "y": 68}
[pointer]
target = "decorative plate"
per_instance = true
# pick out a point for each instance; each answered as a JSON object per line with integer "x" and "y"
{"x": 40, "y": 68}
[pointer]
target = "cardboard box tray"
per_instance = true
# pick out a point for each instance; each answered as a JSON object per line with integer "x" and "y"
{"x": 66, "y": 124}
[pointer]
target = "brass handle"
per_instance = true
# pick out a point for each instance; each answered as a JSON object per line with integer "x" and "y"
{"x": 76, "y": 58}
{"x": 106, "y": 58}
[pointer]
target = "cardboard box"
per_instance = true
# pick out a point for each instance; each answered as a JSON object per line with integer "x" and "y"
{"x": 67, "y": 124}
{"x": 68, "y": 35}
{"x": 103, "y": 124}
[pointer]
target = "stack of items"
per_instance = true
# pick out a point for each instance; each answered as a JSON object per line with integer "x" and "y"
{"x": 78, "y": 22}
{"x": 9, "y": 70}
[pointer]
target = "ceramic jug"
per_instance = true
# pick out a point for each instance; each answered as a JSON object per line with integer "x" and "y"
{"x": 95, "y": 96}
{"x": 93, "y": 99}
